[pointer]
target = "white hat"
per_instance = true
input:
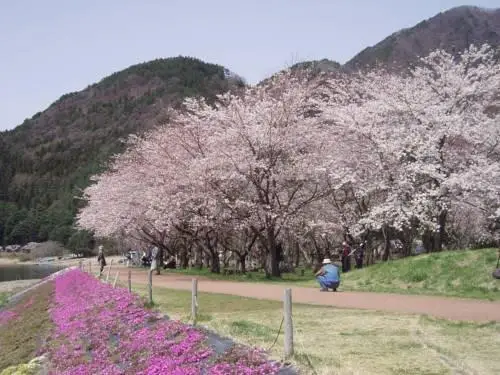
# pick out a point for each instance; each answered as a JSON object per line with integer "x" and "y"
{"x": 327, "y": 261}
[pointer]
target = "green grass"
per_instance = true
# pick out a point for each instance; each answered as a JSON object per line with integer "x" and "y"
{"x": 343, "y": 341}
{"x": 455, "y": 274}
{"x": 465, "y": 273}
{"x": 21, "y": 337}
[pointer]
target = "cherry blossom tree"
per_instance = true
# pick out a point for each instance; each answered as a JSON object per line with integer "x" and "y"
{"x": 309, "y": 163}
{"x": 253, "y": 161}
{"x": 429, "y": 136}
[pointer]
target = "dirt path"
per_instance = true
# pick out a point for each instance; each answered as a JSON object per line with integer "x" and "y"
{"x": 440, "y": 307}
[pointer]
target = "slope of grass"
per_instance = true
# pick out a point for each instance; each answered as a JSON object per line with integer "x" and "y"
{"x": 341, "y": 341}
{"x": 454, "y": 273}
{"x": 24, "y": 333}
{"x": 464, "y": 273}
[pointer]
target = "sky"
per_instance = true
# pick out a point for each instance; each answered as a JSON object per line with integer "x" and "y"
{"x": 52, "y": 47}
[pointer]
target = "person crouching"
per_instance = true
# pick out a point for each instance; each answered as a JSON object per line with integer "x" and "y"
{"x": 328, "y": 276}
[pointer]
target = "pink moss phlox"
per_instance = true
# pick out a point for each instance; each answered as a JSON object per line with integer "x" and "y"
{"x": 105, "y": 330}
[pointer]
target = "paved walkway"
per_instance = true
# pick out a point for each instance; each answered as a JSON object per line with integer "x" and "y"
{"x": 441, "y": 307}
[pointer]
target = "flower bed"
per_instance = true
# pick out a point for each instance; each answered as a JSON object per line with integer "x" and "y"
{"x": 105, "y": 330}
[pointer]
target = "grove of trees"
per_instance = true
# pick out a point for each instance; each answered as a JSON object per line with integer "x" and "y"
{"x": 287, "y": 170}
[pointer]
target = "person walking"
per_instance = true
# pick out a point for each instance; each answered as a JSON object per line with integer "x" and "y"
{"x": 328, "y": 276}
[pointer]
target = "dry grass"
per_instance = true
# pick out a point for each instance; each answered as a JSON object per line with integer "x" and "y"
{"x": 20, "y": 338}
{"x": 339, "y": 341}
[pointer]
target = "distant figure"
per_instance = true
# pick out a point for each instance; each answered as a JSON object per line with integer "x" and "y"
{"x": 359, "y": 255}
{"x": 155, "y": 260}
{"x": 328, "y": 276}
{"x": 101, "y": 260}
{"x": 346, "y": 257}
{"x": 171, "y": 264}
{"x": 145, "y": 259}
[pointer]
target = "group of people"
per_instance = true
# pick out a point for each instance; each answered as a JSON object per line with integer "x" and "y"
{"x": 347, "y": 252}
{"x": 328, "y": 275}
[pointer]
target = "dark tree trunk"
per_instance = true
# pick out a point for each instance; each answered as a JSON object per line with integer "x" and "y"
{"x": 199, "y": 258}
{"x": 428, "y": 241}
{"x": 387, "y": 246}
{"x": 243, "y": 260}
{"x": 441, "y": 235}
{"x": 214, "y": 262}
{"x": 206, "y": 260}
{"x": 184, "y": 259}
{"x": 273, "y": 252}
{"x": 296, "y": 255}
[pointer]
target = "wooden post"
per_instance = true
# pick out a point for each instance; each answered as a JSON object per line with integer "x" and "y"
{"x": 194, "y": 301}
{"x": 116, "y": 278}
{"x": 109, "y": 270}
{"x": 150, "y": 286}
{"x": 287, "y": 311}
{"x": 130, "y": 281}
{"x": 80, "y": 265}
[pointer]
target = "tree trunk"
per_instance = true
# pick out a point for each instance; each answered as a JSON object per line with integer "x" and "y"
{"x": 296, "y": 255}
{"x": 214, "y": 262}
{"x": 387, "y": 246}
{"x": 206, "y": 260}
{"x": 428, "y": 241}
{"x": 273, "y": 252}
{"x": 441, "y": 236}
{"x": 243, "y": 260}
{"x": 199, "y": 258}
{"x": 184, "y": 259}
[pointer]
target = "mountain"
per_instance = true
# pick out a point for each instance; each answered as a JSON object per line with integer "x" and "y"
{"x": 453, "y": 31}
{"x": 47, "y": 160}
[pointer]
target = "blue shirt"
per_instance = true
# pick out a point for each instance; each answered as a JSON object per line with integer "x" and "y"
{"x": 331, "y": 272}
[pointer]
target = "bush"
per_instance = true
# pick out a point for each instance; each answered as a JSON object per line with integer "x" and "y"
{"x": 45, "y": 249}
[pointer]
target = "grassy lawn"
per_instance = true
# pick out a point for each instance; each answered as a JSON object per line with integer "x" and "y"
{"x": 331, "y": 340}
{"x": 24, "y": 334}
{"x": 464, "y": 273}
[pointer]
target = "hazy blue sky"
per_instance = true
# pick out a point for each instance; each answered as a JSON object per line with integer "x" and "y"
{"x": 51, "y": 47}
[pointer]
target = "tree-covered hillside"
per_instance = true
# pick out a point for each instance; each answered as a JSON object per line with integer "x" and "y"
{"x": 47, "y": 160}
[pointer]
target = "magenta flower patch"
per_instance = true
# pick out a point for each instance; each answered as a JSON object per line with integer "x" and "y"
{"x": 104, "y": 330}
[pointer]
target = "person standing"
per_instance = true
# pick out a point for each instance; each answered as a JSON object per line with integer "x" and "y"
{"x": 346, "y": 257}
{"x": 359, "y": 255}
{"x": 328, "y": 276}
{"x": 101, "y": 260}
{"x": 155, "y": 260}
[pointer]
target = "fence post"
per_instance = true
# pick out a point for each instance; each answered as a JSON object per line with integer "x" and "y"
{"x": 287, "y": 311}
{"x": 130, "y": 281}
{"x": 80, "y": 265}
{"x": 194, "y": 301}
{"x": 116, "y": 278}
{"x": 109, "y": 270}
{"x": 150, "y": 286}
